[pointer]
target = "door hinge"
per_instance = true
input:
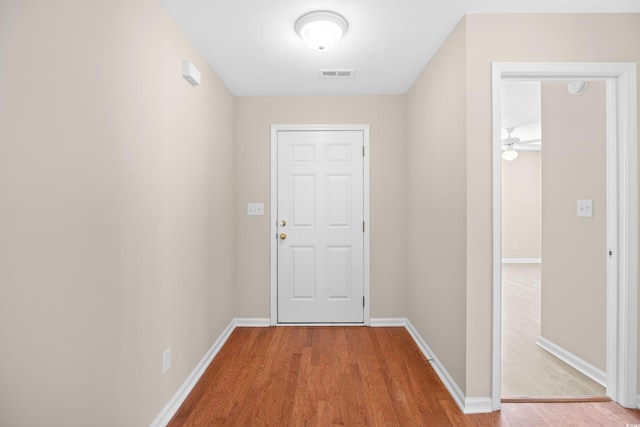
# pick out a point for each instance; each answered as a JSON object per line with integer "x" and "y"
{"x": 363, "y": 301}
{"x": 363, "y": 226}
{"x": 610, "y": 252}
{"x": 363, "y": 151}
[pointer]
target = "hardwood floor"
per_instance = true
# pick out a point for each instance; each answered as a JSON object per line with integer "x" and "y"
{"x": 350, "y": 376}
{"x": 527, "y": 369}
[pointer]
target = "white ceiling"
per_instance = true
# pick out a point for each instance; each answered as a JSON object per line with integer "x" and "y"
{"x": 253, "y": 48}
{"x": 521, "y": 109}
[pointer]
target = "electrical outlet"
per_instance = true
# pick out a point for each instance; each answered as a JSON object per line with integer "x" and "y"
{"x": 166, "y": 360}
{"x": 585, "y": 208}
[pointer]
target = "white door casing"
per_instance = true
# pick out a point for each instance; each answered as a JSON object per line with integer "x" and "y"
{"x": 319, "y": 207}
{"x": 622, "y": 214}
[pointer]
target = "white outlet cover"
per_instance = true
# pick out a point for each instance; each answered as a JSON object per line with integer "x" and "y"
{"x": 585, "y": 208}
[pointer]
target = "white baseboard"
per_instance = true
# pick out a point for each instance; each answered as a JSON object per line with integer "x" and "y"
{"x": 179, "y": 397}
{"x": 251, "y": 323}
{"x": 468, "y": 405}
{"x": 388, "y": 322}
{"x": 522, "y": 260}
{"x": 574, "y": 361}
{"x": 170, "y": 409}
{"x": 477, "y": 405}
{"x": 446, "y": 379}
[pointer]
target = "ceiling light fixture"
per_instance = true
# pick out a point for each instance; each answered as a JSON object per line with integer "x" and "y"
{"x": 510, "y": 154}
{"x": 321, "y": 30}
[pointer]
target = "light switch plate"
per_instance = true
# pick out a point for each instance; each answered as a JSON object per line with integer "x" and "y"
{"x": 585, "y": 208}
{"x": 255, "y": 208}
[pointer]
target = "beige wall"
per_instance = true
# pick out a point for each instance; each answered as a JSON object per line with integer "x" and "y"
{"x": 574, "y": 292}
{"x": 385, "y": 115}
{"x": 516, "y": 38}
{"x": 436, "y": 205}
{"x": 123, "y": 193}
{"x": 521, "y": 206}
{"x": 465, "y": 65}
{"x": 115, "y": 178}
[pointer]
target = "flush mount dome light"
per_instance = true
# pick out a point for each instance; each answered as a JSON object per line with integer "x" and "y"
{"x": 321, "y": 30}
{"x": 509, "y": 154}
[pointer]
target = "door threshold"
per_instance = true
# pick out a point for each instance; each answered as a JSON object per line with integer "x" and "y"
{"x": 320, "y": 324}
{"x": 556, "y": 399}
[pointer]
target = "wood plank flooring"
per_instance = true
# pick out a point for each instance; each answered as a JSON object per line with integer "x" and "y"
{"x": 527, "y": 369}
{"x": 349, "y": 376}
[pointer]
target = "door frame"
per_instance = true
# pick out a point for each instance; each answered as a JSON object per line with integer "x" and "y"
{"x": 275, "y": 129}
{"x": 622, "y": 228}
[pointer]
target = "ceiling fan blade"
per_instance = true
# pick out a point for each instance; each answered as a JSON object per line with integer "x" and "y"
{"x": 531, "y": 141}
{"x": 510, "y": 140}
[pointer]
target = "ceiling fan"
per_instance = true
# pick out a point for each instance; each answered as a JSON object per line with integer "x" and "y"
{"x": 512, "y": 143}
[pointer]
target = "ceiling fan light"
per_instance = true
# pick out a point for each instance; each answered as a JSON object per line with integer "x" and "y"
{"x": 509, "y": 154}
{"x": 321, "y": 30}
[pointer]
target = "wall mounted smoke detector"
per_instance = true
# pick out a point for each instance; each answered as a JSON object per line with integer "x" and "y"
{"x": 190, "y": 73}
{"x": 577, "y": 87}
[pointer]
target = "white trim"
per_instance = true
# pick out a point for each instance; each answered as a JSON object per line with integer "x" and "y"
{"x": 468, "y": 405}
{"x": 496, "y": 299}
{"x": 627, "y": 262}
{"x": 522, "y": 260}
{"x": 251, "y": 323}
{"x": 382, "y": 322}
{"x": 574, "y": 361}
{"x": 612, "y": 312}
{"x": 442, "y": 372}
{"x": 477, "y": 405}
{"x": 367, "y": 230}
{"x": 274, "y": 213}
{"x": 622, "y": 270}
{"x": 170, "y": 409}
{"x": 273, "y": 253}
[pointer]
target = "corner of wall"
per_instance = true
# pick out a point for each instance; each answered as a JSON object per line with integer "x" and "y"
{"x": 468, "y": 405}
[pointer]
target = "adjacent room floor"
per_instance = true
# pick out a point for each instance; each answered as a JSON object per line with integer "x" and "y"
{"x": 527, "y": 369}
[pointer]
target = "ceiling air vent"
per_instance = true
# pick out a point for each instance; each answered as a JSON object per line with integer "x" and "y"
{"x": 337, "y": 74}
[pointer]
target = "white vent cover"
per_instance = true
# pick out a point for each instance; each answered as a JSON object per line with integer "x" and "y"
{"x": 337, "y": 74}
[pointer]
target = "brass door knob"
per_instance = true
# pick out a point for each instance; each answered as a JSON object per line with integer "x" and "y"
{"x": 283, "y": 236}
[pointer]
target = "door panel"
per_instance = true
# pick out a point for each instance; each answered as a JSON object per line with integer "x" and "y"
{"x": 339, "y": 273}
{"x": 302, "y": 277}
{"x": 302, "y": 201}
{"x": 320, "y": 216}
{"x": 338, "y": 202}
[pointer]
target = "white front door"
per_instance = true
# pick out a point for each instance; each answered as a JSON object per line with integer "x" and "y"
{"x": 320, "y": 238}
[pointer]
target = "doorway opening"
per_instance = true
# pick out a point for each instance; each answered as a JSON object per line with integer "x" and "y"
{"x": 621, "y": 215}
{"x": 554, "y": 153}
